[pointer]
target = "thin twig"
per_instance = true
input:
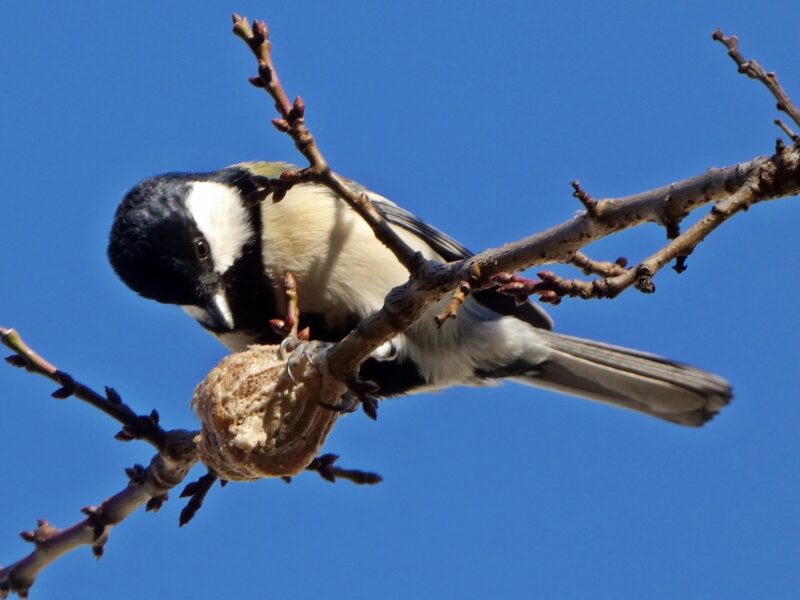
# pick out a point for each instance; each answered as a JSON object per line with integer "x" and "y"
{"x": 166, "y": 470}
{"x": 754, "y": 70}
{"x": 463, "y": 290}
{"x": 292, "y": 122}
{"x": 196, "y": 491}
{"x": 430, "y": 281}
{"x": 787, "y": 130}
{"x": 589, "y": 203}
{"x": 595, "y": 267}
{"x": 451, "y": 310}
{"x": 734, "y": 189}
{"x": 778, "y": 176}
{"x": 290, "y": 325}
{"x": 135, "y": 426}
{"x": 324, "y": 465}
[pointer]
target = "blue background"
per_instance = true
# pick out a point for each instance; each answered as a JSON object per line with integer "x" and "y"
{"x": 476, "y": 116}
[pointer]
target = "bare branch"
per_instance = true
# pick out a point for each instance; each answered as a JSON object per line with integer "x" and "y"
{"x": 787, "y": 130}
{"x": 594, "y": 267}
{"x": 774, "y": 177}
{"x": 324, "y": 465}
{"x": 166, "y": 470}
{"x": 133, "y": 426}
{"x": 464, "y": 289}
{"x": 289, "y": 326}
{"x": 196, "y": 492}
{"x": 292, "y": 121}
{"x": 754, "y": 70}
{"x": 734, "y": 189}
{"x": 766, "y": 179}
{"x": 589, "y": 203}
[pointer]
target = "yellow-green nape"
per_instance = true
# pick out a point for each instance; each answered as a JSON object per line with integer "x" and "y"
{"x": 265, "y": 169}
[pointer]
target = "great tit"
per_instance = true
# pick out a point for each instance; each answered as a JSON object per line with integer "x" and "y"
{"x": 194, "y": 239}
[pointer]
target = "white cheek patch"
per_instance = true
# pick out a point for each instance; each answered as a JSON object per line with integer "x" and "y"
{"x": 219, "y": 215}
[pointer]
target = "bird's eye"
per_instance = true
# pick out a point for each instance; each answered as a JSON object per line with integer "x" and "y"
{"x": 201, "y": 248}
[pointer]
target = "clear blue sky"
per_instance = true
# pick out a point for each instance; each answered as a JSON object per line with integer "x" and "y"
{"x": 476, "y": 116}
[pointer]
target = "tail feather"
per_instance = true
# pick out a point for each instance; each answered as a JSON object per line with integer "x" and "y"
{"x": 630, "y": 379}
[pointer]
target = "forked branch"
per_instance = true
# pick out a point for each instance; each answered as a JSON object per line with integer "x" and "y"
{"x": 738, "y": 187}
{"x": 732, "y": 190}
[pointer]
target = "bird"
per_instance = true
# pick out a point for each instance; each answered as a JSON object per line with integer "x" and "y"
{"x": 197, "y": 240}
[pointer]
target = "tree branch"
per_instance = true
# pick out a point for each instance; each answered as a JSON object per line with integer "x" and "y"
{"x": 324, "y": 465}
{"x": 178, "y": 453}
{"x": 147, "y": 486}
{"x": 732, "y": 189}
{"x": 760, "y": 179}
{"x": 134, "y": 426}
{"x": 745, "y": 183}
{"x": 754, "y": 70}
{"x": 292, "y": 121}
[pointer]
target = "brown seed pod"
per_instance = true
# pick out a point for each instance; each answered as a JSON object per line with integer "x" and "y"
{"x": 262, "y": 416}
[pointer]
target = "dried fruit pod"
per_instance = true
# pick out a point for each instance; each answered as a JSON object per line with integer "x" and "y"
{"x": 262, "y": 415}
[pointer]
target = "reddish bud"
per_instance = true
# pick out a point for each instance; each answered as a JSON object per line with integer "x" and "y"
{"x": 281, "y": 124}
{"x": 278, "y": 326}
{"x": 298, "y": 108}
{"x": 547, "y": 276}
{"x": 549, "y": 297}
{"x": 260, "y": 32}
{"x": 370, "y": 406}
{"x": 502, "y": 277}
{"x": 364, "y": 386}
{"x": 28, "y": 536}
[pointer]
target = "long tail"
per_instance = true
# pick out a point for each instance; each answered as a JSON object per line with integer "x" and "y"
{"x": 631, "y": 379}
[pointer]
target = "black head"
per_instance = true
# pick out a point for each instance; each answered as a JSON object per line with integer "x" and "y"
{"x": 182, "y": 238}
{"x": 155, "y": 246}
{"x": 191, "y": 239}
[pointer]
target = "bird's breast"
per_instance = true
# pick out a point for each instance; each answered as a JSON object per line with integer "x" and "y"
{"x": 342, "y": 270}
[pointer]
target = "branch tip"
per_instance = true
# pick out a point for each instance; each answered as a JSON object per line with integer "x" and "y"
{"x": 281, "y": 125}
{"x": 291, "y": 122}
{"x": 15, "y": 360}
{"x": 369, "y": 404}
{"x": 754, "y": 70}
{"x": 298, "y": 109}
{"x": 459, "y": 296}
{"x": 196, "y": 491}
{"x": 589, "y": 203}
{"x": 256, "y": 81}
{"x": 324, "y": 466}
{"x": 155, "y": 503}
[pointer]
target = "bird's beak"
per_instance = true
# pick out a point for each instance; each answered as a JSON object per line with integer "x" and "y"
{"x": 217, "y": 307}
